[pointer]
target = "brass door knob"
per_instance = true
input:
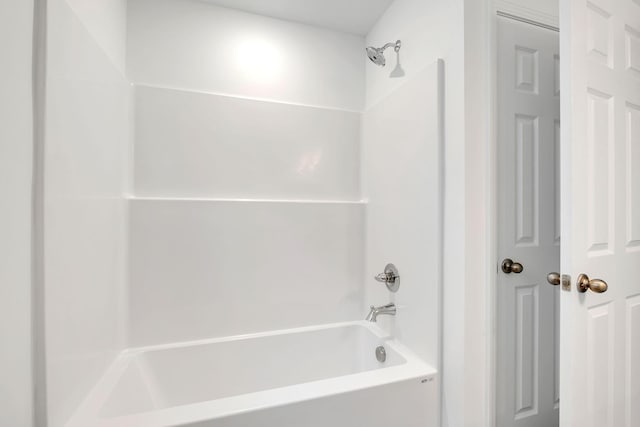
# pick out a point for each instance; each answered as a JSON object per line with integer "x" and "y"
{"x": 595, "y": 285}
{"x": 510, "y": 266}
{"x": 553, "y": 278}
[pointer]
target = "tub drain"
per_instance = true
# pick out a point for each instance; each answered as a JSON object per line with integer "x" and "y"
{"x": 381, "y": 354}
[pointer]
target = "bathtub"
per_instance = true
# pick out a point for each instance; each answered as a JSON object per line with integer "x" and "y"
{"x": 307, "y": 377}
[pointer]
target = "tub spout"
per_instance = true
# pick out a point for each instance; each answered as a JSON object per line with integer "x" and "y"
{"x": 374, "y": 312}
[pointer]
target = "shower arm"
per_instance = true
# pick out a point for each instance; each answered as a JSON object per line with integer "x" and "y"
{"x": 396, "y": 46}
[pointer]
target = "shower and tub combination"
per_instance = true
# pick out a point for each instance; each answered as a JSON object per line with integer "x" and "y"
{"x": 256, "y": 176}
{"x": 341, "y": 374}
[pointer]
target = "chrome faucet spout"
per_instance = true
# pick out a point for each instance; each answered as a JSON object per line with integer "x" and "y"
{"x": 374, "y": 312}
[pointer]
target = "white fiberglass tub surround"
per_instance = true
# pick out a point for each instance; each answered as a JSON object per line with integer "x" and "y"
{"x": 306, "y": 377}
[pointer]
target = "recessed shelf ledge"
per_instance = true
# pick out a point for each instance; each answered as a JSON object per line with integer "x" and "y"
{"x": 217, "y": 199}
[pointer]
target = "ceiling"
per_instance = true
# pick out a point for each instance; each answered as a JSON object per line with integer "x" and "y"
{"x": 350, "y": 16}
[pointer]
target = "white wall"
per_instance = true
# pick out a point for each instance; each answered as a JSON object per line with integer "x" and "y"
{"x": 193, "y": 45}
{"x": 428, "y": 31}
{"x": 550, "y": 7}
{"x": 402, "y": 148}
{"x": 85, "y": 166}
{"x": 431, "y": 30}
{"x": 16, "y": 144}
{"x": 193, "y": 144}
{"x": 246, "y": 212}
{"x": 103, "y": 20}
{"x": 204, "y": 268}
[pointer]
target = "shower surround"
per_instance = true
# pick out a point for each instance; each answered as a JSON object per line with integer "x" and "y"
{"x": 265, "y": 193}
{"x": 246, "y": 208}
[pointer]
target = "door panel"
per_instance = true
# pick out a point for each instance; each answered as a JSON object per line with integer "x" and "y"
{"x": 526, "y": 381}
{"x": 600, "y": 212}
{"x": 529, "y": 224}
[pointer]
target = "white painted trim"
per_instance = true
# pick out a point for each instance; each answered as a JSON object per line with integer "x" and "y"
{"x": 37, "y": 207}
{"x": 16, "y": 151}
{"x": 527, "y": 21}
{"x": 478, "y": 220}
{"x": 441, "y": 236}
{"x": 530, "y": 14}
{"x": 492, "y": 222}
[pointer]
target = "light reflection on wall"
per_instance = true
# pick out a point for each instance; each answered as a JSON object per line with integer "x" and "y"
{"x": 308, "y": 162}
{"x": 259, "y": 60}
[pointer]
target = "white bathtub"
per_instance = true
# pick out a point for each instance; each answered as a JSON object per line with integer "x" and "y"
{"x": 308, "y": 377}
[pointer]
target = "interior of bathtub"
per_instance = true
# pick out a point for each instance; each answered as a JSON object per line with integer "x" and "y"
{"x": 164, "y": 376}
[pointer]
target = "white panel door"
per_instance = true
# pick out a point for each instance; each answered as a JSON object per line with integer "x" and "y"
{"x": 600, "y": 332}
{"x": 529, "y": 224}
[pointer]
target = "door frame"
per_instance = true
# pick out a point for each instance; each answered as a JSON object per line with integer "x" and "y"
{"x": 505, "y": 9}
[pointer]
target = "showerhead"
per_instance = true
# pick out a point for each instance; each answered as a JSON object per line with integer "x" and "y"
{"x": 376, "y": 54}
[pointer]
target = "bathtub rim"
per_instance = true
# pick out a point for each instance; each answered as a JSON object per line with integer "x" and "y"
{"x": 88, "y": 413}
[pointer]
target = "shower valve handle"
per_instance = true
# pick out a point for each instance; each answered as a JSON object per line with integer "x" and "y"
{"x": 390, "y": 277}
{"x": 386, "y": 277}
